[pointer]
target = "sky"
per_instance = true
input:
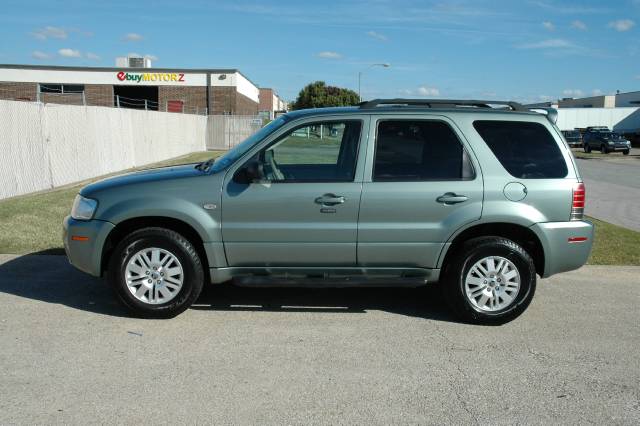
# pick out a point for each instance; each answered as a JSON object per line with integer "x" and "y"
{"x": 521, "y": 50}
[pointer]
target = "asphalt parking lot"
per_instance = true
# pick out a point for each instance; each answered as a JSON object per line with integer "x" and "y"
{"x": 613, "y": 188}
{"x": 69, "y": 354}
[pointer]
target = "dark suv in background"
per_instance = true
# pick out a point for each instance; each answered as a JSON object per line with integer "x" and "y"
{"x": 604, "y": 140}
{"x": 573, "y": 138}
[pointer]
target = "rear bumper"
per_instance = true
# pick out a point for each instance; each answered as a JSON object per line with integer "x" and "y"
{"x": 85, "y": 250}
{"x": 566, "y": 245}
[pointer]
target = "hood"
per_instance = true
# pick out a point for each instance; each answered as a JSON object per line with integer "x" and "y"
{"x": 144, "y": 176}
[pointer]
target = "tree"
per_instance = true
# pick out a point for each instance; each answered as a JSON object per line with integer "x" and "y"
{"x": 319, "y": 95}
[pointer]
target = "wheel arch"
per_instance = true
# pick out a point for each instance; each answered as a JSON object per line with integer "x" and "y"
{"x": 126, "y": 227}
{"x": 519, "y": 234}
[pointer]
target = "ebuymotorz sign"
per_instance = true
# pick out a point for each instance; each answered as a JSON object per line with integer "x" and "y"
{"x": 151, "y": 76}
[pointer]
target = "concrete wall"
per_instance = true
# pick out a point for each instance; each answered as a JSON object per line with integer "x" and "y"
{"x": 49, "y": 145}
{"x": 619, "y": 119}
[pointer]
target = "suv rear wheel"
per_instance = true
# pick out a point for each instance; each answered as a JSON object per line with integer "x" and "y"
{"x": 156, "y": 272}
{"x": 603, "y": 149}
{"x": 490, "y": 280}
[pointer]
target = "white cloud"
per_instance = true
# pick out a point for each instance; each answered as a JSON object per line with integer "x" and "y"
{"x": 151, "y": 57}
{"x": 92, "y": 56}
{"x": 548, "y": 25}
{"x": 329, "y": 55}
{"x": 69, "y": 53}
{"x": 596, "y": 92}
{"x": 50, "y": 32}
{"x": 579, "y": 25}
{"x": 554, "y": 43}
{"x": 573, "y": 93}
{"x": 428, "y": 91}
{"x": 622, "y": 25}
{"x": 36, "y": 54}
{"x": 377, "y": 36}
{"x": 132, "y": 37}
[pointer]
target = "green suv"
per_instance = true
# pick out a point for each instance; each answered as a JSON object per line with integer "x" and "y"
{"x": 476, "y": 196}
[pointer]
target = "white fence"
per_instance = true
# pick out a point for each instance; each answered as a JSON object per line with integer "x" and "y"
{"x": 618, "y": 119}
{"x": 48, "y": 145}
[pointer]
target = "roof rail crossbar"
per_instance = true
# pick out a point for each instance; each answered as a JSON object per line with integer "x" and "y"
{"x": 441, "y": 103}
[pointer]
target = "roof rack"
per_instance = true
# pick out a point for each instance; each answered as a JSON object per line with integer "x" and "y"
{"x": 441, "y": 103}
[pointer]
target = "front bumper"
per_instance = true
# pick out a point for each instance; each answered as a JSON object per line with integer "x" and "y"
{"x": 83, "y": 243}
{"x": 619, "y": 147}
{"x": 566, "y": 245}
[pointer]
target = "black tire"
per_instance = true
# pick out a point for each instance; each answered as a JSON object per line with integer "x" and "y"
{"x": 587, "y": 148}
{"x": 625, "y": 152}
{"x": 604, "y": 149}
{"x": 179, "y": 247}
{"x": 463, "y": 260}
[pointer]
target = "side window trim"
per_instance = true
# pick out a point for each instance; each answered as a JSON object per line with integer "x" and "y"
{"x": 465, "y": 153}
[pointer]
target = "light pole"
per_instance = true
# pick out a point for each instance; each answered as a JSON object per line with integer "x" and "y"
{"x": 384, "y": 65}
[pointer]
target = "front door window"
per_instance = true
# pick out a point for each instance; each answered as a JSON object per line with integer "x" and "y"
{"x": 318, "y": 152}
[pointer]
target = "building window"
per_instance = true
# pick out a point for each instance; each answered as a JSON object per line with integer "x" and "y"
{"x": 61, "y": 88}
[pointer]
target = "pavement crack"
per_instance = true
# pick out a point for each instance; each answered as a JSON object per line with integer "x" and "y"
{"x": 457, "y": 390}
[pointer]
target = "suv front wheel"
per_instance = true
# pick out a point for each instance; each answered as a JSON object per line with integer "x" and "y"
{"x": 156, "y": 272}
{"x": 587, "y": 148}
{"x": 490, "y": 280}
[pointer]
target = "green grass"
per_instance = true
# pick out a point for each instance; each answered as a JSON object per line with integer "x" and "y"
{"x": 33, "y": 223}
{"x": 614, "y": 245}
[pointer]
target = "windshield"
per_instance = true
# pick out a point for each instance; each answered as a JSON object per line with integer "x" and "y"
{"x": 238, "y": 151}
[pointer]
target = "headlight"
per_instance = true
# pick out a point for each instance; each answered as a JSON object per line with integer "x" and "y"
{"x": 83, "y": 208}
{"x": 610, "y": 142}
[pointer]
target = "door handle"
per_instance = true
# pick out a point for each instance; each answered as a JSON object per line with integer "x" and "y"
{"x": 451, "y": 198}
{"x": 330, "y": 199}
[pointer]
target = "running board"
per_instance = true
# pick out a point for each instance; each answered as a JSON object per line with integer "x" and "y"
{"x": 325, "y": 277}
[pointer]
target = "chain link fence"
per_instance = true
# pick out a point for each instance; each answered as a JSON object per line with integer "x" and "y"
{"x": 226, "y": 131}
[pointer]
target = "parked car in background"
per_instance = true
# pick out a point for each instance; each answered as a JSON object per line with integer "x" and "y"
{"x": 604, "y": 140}
{"x": 573, "y": 138}
{"x": 402, "y": 192}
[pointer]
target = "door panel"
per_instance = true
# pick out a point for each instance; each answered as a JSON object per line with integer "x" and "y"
{"x": 414, "y": 202}
{"x": 305, "y": 210}
{"x": 405, "y": 225}
{"x": 280, "y": 224}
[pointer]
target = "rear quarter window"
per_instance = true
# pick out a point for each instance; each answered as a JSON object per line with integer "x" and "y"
{"x": 525, "y": 149}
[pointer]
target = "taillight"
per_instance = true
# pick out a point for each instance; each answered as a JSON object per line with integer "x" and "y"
{"x": 577, "y": 205}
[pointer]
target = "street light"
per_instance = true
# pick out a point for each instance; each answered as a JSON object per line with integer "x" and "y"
{"x": 385, "y": 65}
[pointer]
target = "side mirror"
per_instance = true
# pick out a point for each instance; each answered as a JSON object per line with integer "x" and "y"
{"x": 250, "y": 173}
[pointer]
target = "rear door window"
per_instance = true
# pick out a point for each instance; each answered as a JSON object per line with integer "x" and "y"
{"x": 525, "y": 149}
{"x": 419, "y": 150}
